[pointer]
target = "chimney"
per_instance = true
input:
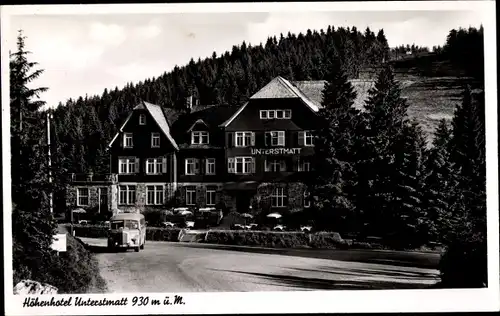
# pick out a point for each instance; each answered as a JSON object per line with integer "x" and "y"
{"x": 189, "y": 102}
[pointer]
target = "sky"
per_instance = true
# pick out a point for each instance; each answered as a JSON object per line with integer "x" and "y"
{"x": 84, "y": 54}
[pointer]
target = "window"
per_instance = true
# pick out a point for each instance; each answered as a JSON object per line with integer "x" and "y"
{"x": 308, "y": 138}
{"x": 128, "y": 140}
{"x": 210, "y": 166}
{"x": 126, "y": 194}
{"x": 142, "y": 119}
{"x": 190, "y": 195}
{"x": 154, "y": 166}
{"x": 275, "y": 165}
{"x": 275, "y": 114}
{"x": 241, "y": 165}
{"x": 192, "y": 166}
{"x": 304, "y": 166}
{"x": 307, "y": 201}
{"x": 154, "y": 194}
{"x": 155, "y": 140}
{"x": 210, "y": 196}
{"x": 82, "y": 197}
{"x": 278, "y": 197}
{"x": 244, "y": 139}
{"x": 275, "y": 138}
{"x": 127, "y": 165}
{"x": 199, "y": 138}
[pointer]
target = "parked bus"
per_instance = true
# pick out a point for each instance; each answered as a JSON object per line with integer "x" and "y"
{"x": 127, "y": 230}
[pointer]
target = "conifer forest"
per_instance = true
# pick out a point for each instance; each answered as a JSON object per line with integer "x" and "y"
{"x": 380, "y": 174}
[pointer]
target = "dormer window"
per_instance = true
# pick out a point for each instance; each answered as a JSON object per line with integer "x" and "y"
{"x": 142, "y": 119}
{"x": 128, "y": 140}
{"x": 155, "y": 140}
{"x": 199, "y": 138}
{"x": 275, "y": 114}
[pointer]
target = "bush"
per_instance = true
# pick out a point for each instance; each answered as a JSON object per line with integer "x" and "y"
{"x": 464, "y": 263}
{"x": 152, "y": 233}
{"x": 327, "y": 240}
{"x": 258, "y": 238}
{"x": 73, "y": 271}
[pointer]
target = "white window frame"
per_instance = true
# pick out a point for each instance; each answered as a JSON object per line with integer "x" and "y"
{"x": 156, "y": 164}
{"x": 199, "y": 136}
{"x": 158, "y": 193}
{"x": 142, "y": 119}
{"x": 244, "y": 137}
{"x": 276, "y": 135}
{"x": 304, "y": 166}
{"x": 210, "y": 166}
{"x": 307, "y": 201}
{"x": 280, "y": 195}
{"x": 155, "y": 140}
{"x": 79, "y": 196}
{"x": 130, "y": 194}
{"x": 308, "y": 138}
{"x": 247, "y": 164}
{"x": 275, "y": 165}
{"x": 209, "y": 192}
{"x": 128, "y": 137}
{"x": 129, "y": 164}
{"x": 194, "y": 162}
{"x": 191, "y": 190}
{"x": 285, "y": 114}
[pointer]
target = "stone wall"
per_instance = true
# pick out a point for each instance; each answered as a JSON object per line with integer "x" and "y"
{"x": 71, "y": 196}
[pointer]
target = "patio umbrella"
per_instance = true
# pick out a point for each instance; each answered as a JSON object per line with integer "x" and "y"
{"x": 79, "y": 211}
{"x": 206, "y": 209}
{"x": 246, "y": 215}
{"x": 168, "y": 212}
{"x": 274, "y": 215}
{"x": 185, "y": 212}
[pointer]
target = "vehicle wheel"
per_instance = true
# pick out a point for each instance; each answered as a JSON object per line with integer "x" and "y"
{"x": 136, "y": 249}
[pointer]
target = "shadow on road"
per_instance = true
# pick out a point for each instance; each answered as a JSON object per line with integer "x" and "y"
{"x": 394, "y": 258}
{"x": 325, "y": 284}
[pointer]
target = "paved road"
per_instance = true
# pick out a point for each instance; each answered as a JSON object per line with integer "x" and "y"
{"x": 182, "y": 267}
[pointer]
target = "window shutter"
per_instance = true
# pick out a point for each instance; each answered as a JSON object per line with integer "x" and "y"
{"x": 233, "y": 139}
{"x": 203, "y": 165}
{"x": 282, "y": 165}
{"x": 266, "y": 166}
{"x": 230, "y": 165}
{"x": 296, "y": 162}
{"x": 164, "y": 165}
{"x": 267, "y": 137}
{"x": 252, "y": 168}
{"x": 137, "y": 165}
{"x": 301, "y": 138}
{"x": 145, "y": 166}
{"x": 122, "y": 143}
{"x": 197, "y": 166}
{"x": 253, "y": 139}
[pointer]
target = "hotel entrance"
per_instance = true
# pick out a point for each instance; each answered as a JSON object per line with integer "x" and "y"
{"x": 242, "y": 192}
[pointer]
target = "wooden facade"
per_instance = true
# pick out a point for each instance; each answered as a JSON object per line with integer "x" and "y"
{"x": 252, "y": 156}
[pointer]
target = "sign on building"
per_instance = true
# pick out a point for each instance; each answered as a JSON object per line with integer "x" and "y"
{"x": 59, "y": 242}
{"x": 276, "y": 151}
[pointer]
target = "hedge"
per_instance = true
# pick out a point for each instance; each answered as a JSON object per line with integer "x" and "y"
{"x": 273, "y": 239}
{"x": 152, "y": 233}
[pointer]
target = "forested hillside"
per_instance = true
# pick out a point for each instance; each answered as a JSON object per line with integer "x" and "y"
{"x": 85, "y": 125}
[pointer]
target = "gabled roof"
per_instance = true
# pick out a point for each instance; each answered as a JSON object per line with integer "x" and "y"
{"x": 310, "y": 92}
{"x": 158, "y": 116}
{"x": 211, "y": 116}
{"x": 198, "y": 121}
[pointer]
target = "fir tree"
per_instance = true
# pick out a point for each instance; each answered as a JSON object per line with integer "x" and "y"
{"x": 33, "y": 225}
{"x": 334, "y": 176}
{"x": 385, "y": 116}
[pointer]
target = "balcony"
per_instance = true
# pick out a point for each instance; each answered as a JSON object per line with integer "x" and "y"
{"x": 106, "y": 178}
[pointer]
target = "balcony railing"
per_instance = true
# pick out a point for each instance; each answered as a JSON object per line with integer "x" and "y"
{"x": 98, "y": 178}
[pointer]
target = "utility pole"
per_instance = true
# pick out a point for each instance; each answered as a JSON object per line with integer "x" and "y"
{"x": 49, "y": 116}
